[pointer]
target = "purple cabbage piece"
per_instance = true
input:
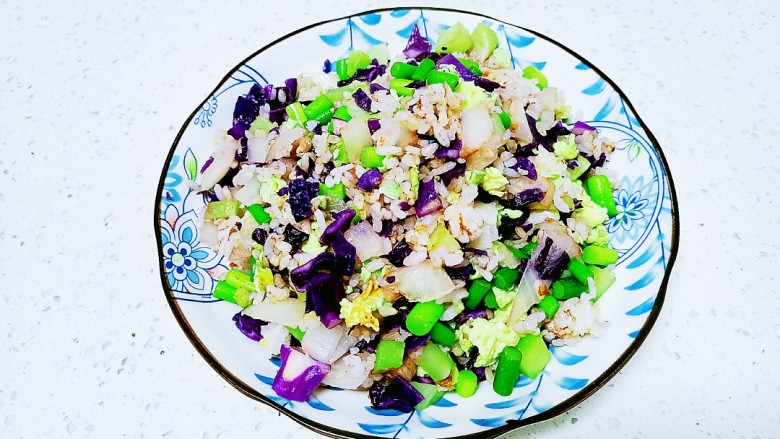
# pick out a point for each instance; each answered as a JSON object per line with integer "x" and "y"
{"x": 424, "y": 380}
{"x": 242, "y": 152}
{"x": 549, "y": 260}
{"x": 367, "y": 74}
{"x": 427, "y": 199}
{"x": 595, "y": 163}
{"x": 581, "y": 127}
{"x": 404, "y": 205}
{"x": 399, "y": 253}
{"x": 527, "y": 166}
{"x": 415, "y": 341}
{"x": 480, "y": 373}
{"x": 395, "y": 394}
{"x": 546, "y": 141}
{"x": 572, "y": 164}
{"x": 472, "y": 314}
{"x": 326, "y": 66}
{"x": 451, "y": 152}
{"x": 475, "y": 251}
{"x": 370, "y": 180}
{"x": 387, "y": 229}
{"x": 259, "y": 235}
{"x": 283, "y": 191}
{"x": 524, "y": 198}
{"x": 457, "y": 171}
{"x": 374, "y": 87}
{"x": 208, "y": 163}
{"x": 291, "y": 89}
{"x": 417, "y": 44}
{"x": 462, "y": 70}
{"x": 249, "y": 326}
{"x": 341, "y": 222}
{"x": 415, "y": 84}
{"x": 346, "y": 253}
{"x": 301, "y": 387}
{"x": 362, "y": 99}
{"x": 278, "y": 115}
{"x": 301, "y": 194}
{"x": 321, "y": 279}
{"x": 294, "y": 237}
{"x": 459, "y": 273}
{"x": 373, "y": 125}
{"x": 486, "y": 84}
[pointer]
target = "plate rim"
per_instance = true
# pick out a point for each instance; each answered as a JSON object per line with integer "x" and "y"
{"x": 560, "y": 408}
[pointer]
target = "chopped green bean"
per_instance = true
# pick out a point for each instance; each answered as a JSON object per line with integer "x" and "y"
{"x": 224, "y": 291}
{"x": 402, "y": 70}
{"x": 505, "y": 278}
{"x": 467, "y": 383}
{"x": 477, "y": 291}
{"x": 443, "y": 334}
{"x": 549, "y": 305}
{"x": 341, "y": 69}
{"x": 259, "y": 214}
{"x": 370, "y": 159}
{"x": 422, "y": 70}
{"x": 338, "y": 191}
{"x": 567, "y": 288}
{"x": 239, "y": 279}
{"x": 423, "y": 316}
{"x": 439, "y": 77}
{"x": 600, "y": 191}
{"x": 296, "y": 113}
{"x": 507, "y": 371}
{"x": 579, "y": 270}
{"x": 597, "y": 255}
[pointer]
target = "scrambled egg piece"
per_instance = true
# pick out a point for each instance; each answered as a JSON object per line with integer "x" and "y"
{"x": 361, "y": 310}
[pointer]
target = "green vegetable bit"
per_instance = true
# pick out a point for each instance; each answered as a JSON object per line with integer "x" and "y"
{"x": 430, "y": 392}
{"x": 567, "y": 288}
{"x": 296, "y": 332}
{"x": 402, "y": 70}
{"x": 434, "y": 361}
{"x": 443, "y": 334}
{"x": 241, "y": 297}
{"x": 421, "y": 71}
{"x": 423, "y": 316}
{"x": 603, "y": 279}
{"x": 439, "y": 77}
{"x": 357, "y": 59}
{"x": 389, "y": 355}
{"x": 477, "y": 291}
{"x": 490, "y": 300}
{"x": 400, "y": 86}
{"x": 535, "y": 355}
{"x": 600, "y": 191}
{"x": 507, "y": 371}
{"x": 506, "y": 121}
{"x": 579, "y": 270}
{"x": 455, "y": 38}
{"x": 296, "y": 113}
{"x": 259, "y": 214}
{"x": 505, "y": 278}
{"x": 467, "y": 383}
{"x": 224, "y": 291}
{"x": 319, "y": 109}
{"x": 341, "y": 69}
{"x": 342, "y": 113}
{"x": 338, "y": 191}
{"x": 222, "y": 209}
{"x": 549, "y": 305}
{"x": 602, "y": 256}
{"x": 485, "y": 41}
{"x": 340, "y": 155}
{"x": 239, "y": 279}
{"x": 532, "y": 72}
{"x": 525, "y": 251}
{"x": 370, "y": 159}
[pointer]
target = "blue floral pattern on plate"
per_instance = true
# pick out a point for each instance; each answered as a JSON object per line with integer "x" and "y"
{"x": 642, "y": 232}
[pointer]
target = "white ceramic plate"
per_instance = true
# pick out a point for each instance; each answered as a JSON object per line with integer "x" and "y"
{"x": 645, "y": 233}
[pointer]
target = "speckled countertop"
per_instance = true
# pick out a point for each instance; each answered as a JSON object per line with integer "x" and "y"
{"x": 92, "y": 94}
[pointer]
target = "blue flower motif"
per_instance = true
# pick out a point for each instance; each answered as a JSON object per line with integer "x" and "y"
{"x": 631, "y": 218}
{"x": 207, "y": 109}
{"x": 187, "y": 262}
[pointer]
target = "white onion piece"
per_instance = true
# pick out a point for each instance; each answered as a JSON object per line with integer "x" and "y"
{"x": 489, "y": 230}
{"x": 349, "y": 372}
{"x": 296, "y": 365}
{"x": 287, "y": 312}
{"x": 477, "y": 127}
{"x": 560, "y": 236}
{"x": 223, "y": 158}
{"x": 423, "y": 282}
{"x": 356, "y": 136}
{"x": 368, "y": 243}
{"x": 283, "y": 145}
{"x": 275, "y": 336}
{"x": 522, "y": 131}
{"x": 527, "y": 294}
{"x": 327, "y": 345}
{"x": 249, "y": 193}
{"x": 257, "y": 149}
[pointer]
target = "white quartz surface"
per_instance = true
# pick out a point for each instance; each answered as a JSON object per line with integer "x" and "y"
{"x": 93, "y": 92}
